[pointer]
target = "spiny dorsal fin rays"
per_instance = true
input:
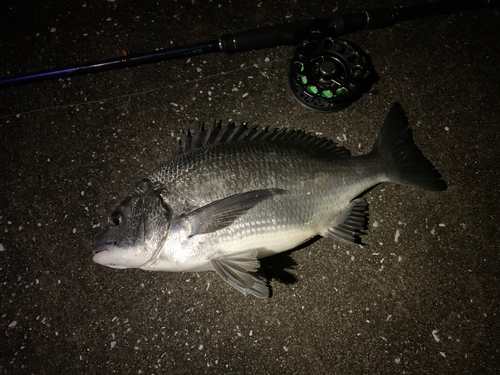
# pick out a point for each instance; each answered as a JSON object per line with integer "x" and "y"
{"x": 243, "y": 133}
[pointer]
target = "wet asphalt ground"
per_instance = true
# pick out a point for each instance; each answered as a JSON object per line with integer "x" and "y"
{"x": 422, "y": 297}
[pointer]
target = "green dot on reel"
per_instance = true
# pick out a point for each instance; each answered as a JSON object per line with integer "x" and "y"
{"x": 341, "y": 91}
{"x": 327, "y": 94}
{"x": 312, "y": 90}
{"x": 302, "y": 79}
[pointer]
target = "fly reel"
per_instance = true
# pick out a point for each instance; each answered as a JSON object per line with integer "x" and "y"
{"x": 328, "y": 75}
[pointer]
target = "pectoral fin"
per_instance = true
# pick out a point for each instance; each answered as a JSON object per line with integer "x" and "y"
{"x": 235, "y": 269}
{"x": 223, "y": 212}
{"x": 349, "y": 227}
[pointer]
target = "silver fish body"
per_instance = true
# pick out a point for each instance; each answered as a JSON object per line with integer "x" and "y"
{"x": 313, "y": 191}
{"x": 237, "y": 194}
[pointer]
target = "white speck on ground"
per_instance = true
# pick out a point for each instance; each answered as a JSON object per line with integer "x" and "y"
{"x": 342, "y": 139}
{"x": 2, "y": 248}
{"x": 13, "y": 324}
{"x": 434, "y": 334}
{"x": 396, "y": 237}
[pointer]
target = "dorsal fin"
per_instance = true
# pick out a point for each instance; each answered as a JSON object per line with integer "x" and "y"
{"x": 242, "y": 133}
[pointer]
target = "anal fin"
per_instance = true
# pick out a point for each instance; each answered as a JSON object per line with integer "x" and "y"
{"x": 236, "y": 269}
{"x": 350, "y": 226}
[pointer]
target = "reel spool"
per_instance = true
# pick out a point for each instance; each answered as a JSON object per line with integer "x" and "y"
{"x": 328, "y": 75}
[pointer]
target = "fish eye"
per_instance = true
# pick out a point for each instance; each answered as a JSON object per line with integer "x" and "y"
{"x": 117, "y": 219}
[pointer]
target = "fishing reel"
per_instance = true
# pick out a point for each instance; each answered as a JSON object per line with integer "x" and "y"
{"x": 329, "y": 74}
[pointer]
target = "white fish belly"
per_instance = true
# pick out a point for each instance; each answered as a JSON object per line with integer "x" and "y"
{"x": 269, "y": 243}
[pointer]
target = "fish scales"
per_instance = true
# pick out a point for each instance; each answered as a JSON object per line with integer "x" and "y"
{"x": 236, "y": 194}
{"x": 222, "y": 170}
{"x": 318, "y": 187}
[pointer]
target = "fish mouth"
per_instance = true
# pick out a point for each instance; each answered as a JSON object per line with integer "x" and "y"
{"x": 100, "y": 247}
{"x": 101, "y": 255}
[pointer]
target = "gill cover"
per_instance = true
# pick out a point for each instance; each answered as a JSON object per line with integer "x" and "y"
{"x": 135, "y": 229}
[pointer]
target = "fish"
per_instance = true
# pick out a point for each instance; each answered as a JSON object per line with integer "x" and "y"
{"x": 235, "y": 194}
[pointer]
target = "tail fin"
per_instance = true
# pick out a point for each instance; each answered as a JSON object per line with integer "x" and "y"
{"x": 407, "y": 165}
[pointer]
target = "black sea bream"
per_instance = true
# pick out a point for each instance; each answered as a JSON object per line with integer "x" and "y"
{"x": 235, "y": 194}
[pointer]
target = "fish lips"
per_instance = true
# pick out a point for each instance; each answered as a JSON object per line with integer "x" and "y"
{"x": 123, "y": 255}
{"x": 100, "y": 254}
{"x": 101, "y": 247}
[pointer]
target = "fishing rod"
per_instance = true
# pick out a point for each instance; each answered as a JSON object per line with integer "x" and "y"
{"x": 326, "y": 74}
